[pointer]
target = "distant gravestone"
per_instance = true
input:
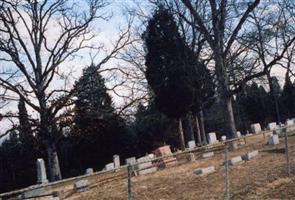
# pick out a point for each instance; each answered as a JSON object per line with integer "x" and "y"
{"x": 223, "y": 138}
{"x": 272, "y": 126}
{"x": 273, "y": 140}
{"x": 235, "y": 160}
{"x": 204, "y": 171}
{"x": 191, "y": 144}
{"x": 208, "y": 154}
{"x": 255, "y": 128}
{"x": 239, "y": 134}
{"x": 109, "y": 167}
{"x": 33, "y": 193}
{"x": 81, "y": 186}
{"x": 41, "y": 171}
{"x": 167, "y": 159}
{"x": 116, "y": 161}
{"x": 212, "y": 138}
{"x": 250, "y": 155}
{"x": 130, "y": 161}
{"x": 89, "y": 171}
{"x": 289, "y": 122}
{"x": 145, "y": 165}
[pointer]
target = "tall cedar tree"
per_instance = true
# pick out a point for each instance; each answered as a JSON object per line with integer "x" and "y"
{"x": 99, "y": 132}
{"x": 169, "y": 64}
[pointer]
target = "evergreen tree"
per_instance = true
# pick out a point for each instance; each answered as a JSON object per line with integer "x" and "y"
{"x": 99, "y": 132}
{"x": 169, "y": 63}
{"x": 25, "y": 126}
{"x": 288, "y": 99}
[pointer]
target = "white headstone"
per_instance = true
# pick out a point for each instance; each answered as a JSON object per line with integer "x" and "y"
{"x": 41, "y": 171}
{"x": 109, "y": 166}
{"x": 130, "y": 161}
{"x": 145, "y": 165}
{"x": 272, "y": 126}
{"x": 235, "y": 160}
{"x": 273, "y": 140}
{"x": 255, "y": 128}
{"x": 191, "y": 144}
{"x": 89, "y": 171}
{"x": 81, "y": 185}
{"x": 289, "y": 122}
{"x": 151, "y": 155}
{"x": 239, "y": 134}
{"x": 204, "y": 171}
{"x": 212, "y": 138}
{"x": 208, "y": 154}
{"x": 250, "y": 155}
{"x": 116, "y": 160}
{"x": 223, "y": 138}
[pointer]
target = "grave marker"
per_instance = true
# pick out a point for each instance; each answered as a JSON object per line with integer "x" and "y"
{"x": 41, "y": 171}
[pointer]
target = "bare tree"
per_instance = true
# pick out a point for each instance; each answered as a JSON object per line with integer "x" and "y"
{"x": 37, "y": 38}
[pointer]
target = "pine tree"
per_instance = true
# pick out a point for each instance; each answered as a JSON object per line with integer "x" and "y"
{"x": 288, "y": 98}
{"x": 169, "y": 64}
{"x": 25, "y": 127}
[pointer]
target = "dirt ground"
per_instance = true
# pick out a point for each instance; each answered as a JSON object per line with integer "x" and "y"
{"x": 264, "y": 177}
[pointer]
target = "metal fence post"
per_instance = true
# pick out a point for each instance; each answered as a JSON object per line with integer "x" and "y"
{"x": 287, "y": 151}
{"x": 226, "y": 178}
{"x": 129, "y": 171}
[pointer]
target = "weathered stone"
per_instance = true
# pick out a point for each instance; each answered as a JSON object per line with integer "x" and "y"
{"x": 116, "y": 161}
{"x": 168, "y": 159}
{"x": 223, "y": 138}
{"x": 239, "y": 134}
{"x": 273, "y": 140}
{"x": 255, "y": 128}
{"x": 109, "y": 166}
{"x": 145, "y": 165}
{"x": 33, "y": 193}
{"x": 207, "y": 154}
{"x": 212, "y": 138}
{"x": 289, "y": 122}
{"x": 130, "y": 161}
{"x": 235, "y": 160}
{"x": 151, "y": 155}
{"x": 204, "y": 171}
{"x": 41, "y": 171}
{"x": 250, "y": 155}
{"x": 81, "y": 186}
{"x": 89, "y": 171}
{"x": 272, "y": 126}
{"x": 191, "y": 144}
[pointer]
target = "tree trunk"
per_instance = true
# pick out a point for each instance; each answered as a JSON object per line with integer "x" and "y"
{"x": 202, "y": 126}
{"x": 181, "y": 136}
{"x": 189, "y": 131}
{"x": 198, "y": 130}
{"x": 230, "y": 119}
{"x": 53, "y": 163}
{"x": 271, "y": 89}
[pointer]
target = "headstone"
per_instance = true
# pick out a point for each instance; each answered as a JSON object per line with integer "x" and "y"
{"x": 235, "y": 160}
{"x": 273, "y": 140}
{"x": 223, "y": 138}
{"x": 41, "y": 171}
{"x": 208, "y": 154}
{"x": 272, "y": 126}
{"x": 89, "y": 171}
{"x": 250, "y": 155}
{"x": 204, "y": 171}
{"x": 130, "y": 161}
{"x": 109, "y": 166}
{"x": 145, "y": 165}
{"x": 81, "y": 186}
{"x": 33, "y": 193}
{"x": 151, "y": 155}
{"x": 116, "y": 161}
{"x": 168, "y": 159}
{"x": 191, "y": 144}
{"x": 289, "y": 122}
{"x": 255, "y": 128}
{"x": 239, "y": 134}
{"x": 212, "y": 138}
